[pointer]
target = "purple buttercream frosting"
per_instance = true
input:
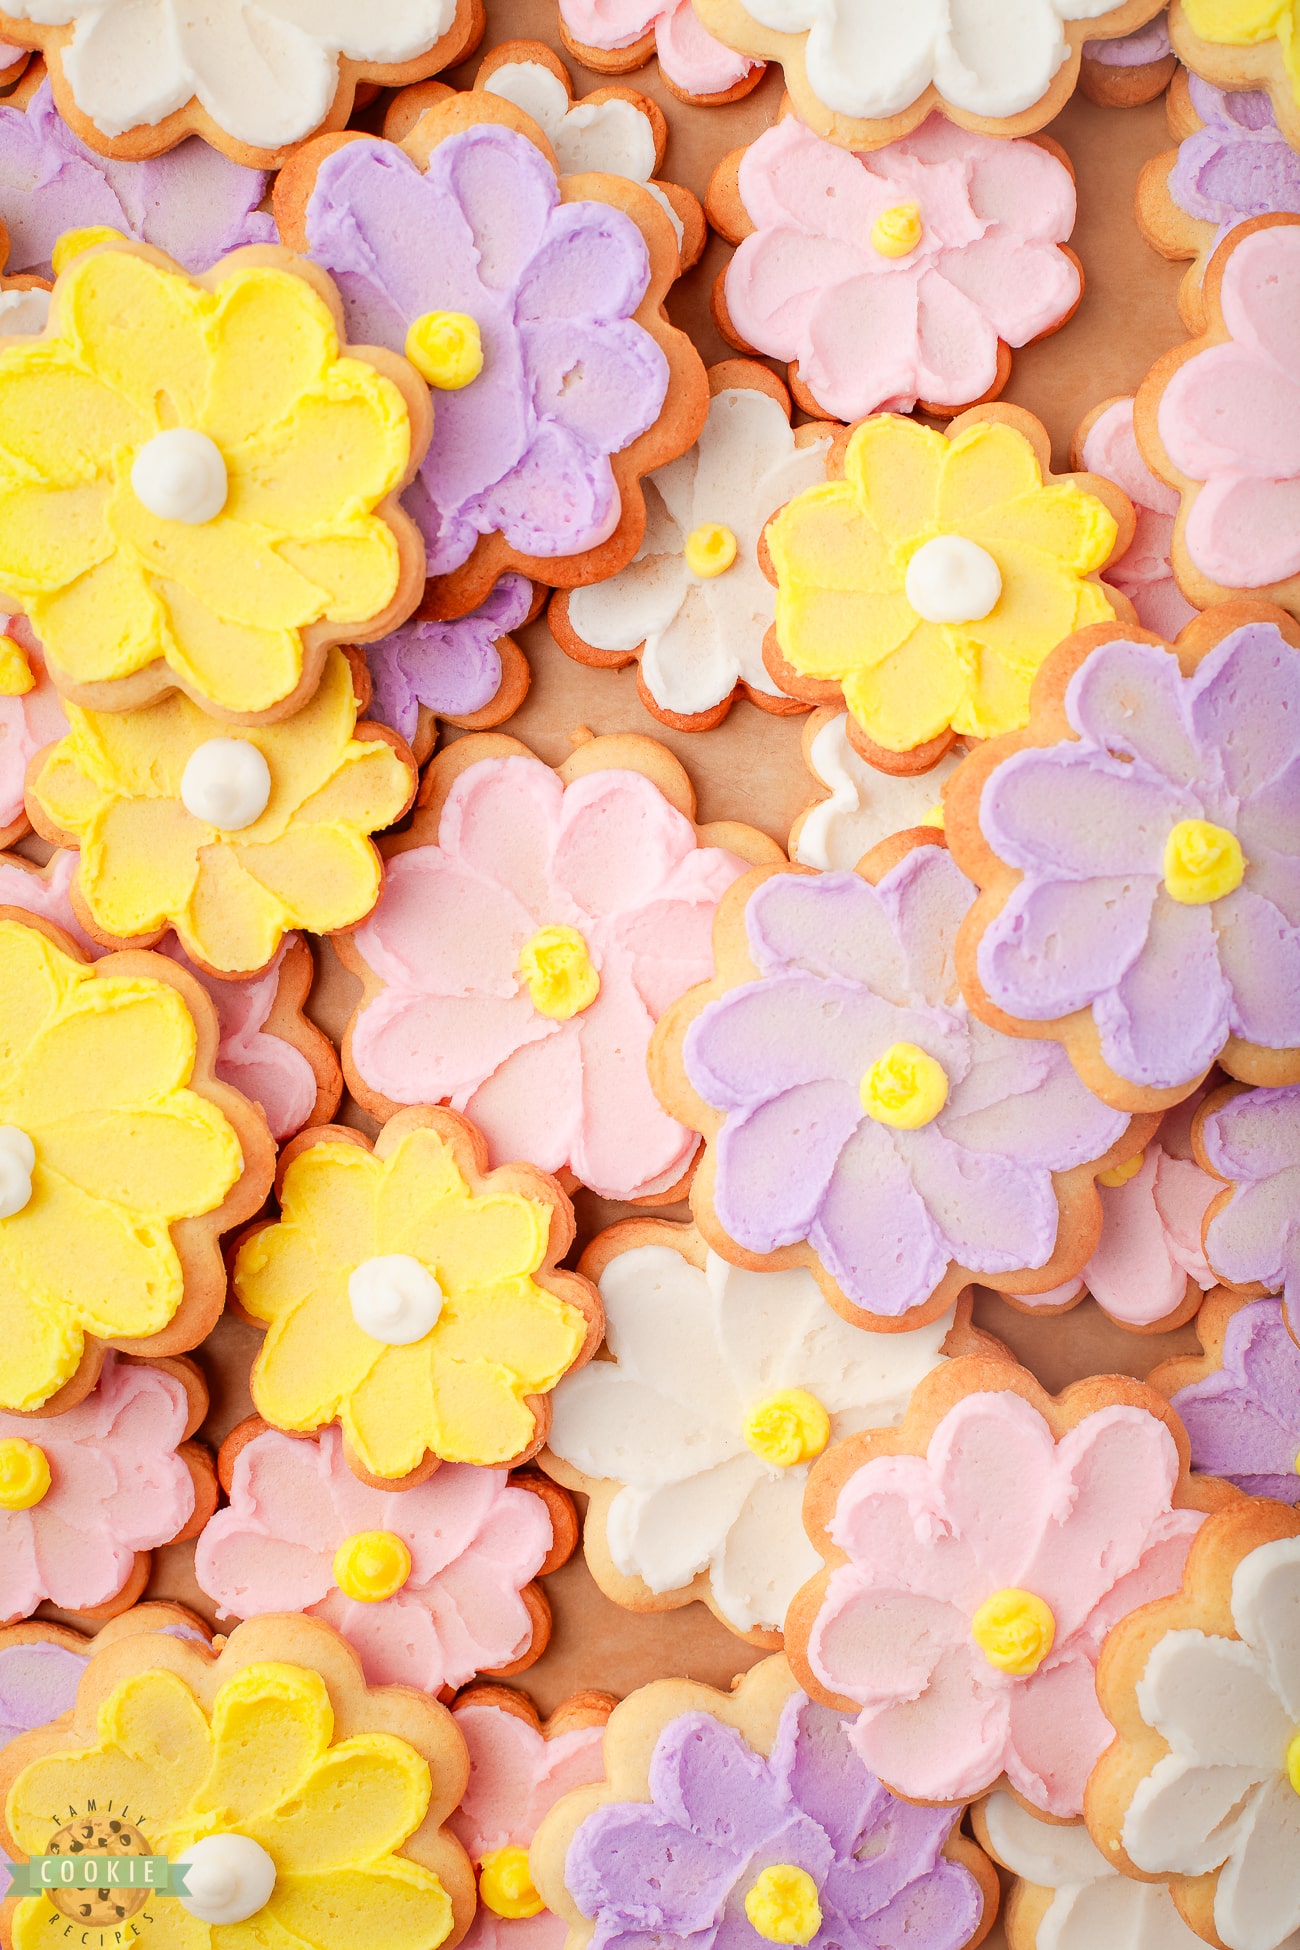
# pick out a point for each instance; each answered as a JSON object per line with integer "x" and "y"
{"x": 1135, "y": 50}
{"x": 1092, "y": 924}
{"x": 1243, "y": 1421}
{"x": 1238, "y": 165}
{"x": 193, "y": 203}
{"x": 677, "y": 1869}
{"x": 569, "y": 377}
{"x": 1253, "y": 1141}
{"x": 38, "y": 1683}
{"x": 451, "y": 668}
{"x": 848, "y": 971}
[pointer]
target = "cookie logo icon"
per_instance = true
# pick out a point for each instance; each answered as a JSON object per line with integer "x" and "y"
{"x": 106, "y": 1904}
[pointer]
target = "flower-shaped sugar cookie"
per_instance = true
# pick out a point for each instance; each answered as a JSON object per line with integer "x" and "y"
{"x": 976, "y": 1559}
{"x": 519, "y": 1767}
{"x": 535, "y": 925}
{"x": 1239, "y": 1399}
{"x": 413, "y": 1296}
{"x": 1066, "y": 1895}
{"x": 863, "y": 73}
{"x": 1218, "y": 419}
{"x": 1131, "y": 70}
{"x": 470, "y": 672}
{"x": 1251, "y": 1140}
{"x": 864, "y": 806}
{"x": 428, "y": 1585}
{"x": 1244, "y": 44}
{"x": 1137, "y": 856}
{"x": 692, "y": 1443}
{"x": 1203, "y": 1691}
{"x": 901, "y": 275}
{"x": 693, "y": 607}
{"x": 308, "y": 1807}
{"x": 253, "y": 77}
{"x": 557, "y": 387}
{"x": 1106, "y": 444}
{"x": 616, "y": 36}
{"x": 86, "y": 1494}
{"x": 726, "y": 1817}
{"x": 857, "y": 1119}
{"x": 31, "y": 715}
{"x": 927, "y": 585}
{"x": 121, "y": 1161}
{"x": 199, "y": 481}
{"x": 233, "y": 840}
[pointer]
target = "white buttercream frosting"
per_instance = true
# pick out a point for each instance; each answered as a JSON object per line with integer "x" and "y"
{"x": 180, "y": 475}
{"x": 394, "y": 1299}
{"x": 226, "y": 783}
{"x": 865, "y": 806}
{"x": 1092, "y": 1904}
{"x": 229, "y": 1878}
{"x": 25, "y": 312}
{"x": 17, "y": 1163}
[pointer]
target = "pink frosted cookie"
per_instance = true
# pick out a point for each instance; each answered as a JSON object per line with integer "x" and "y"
{"x": 519, "y": 1766}
{"x": 267, "y": 1049}
{"x": 1219, "y": 421}
{"x": 534, "y": 926}
{"x": 429, "y": 1585}
{"x": 1106, "y": 444}
{"x": 87, "y": 1493}
{"x": 31, "y": 716}
{"x": 616, "y": 36}
{"x": 901, "y": 275}
{"x": 977, "y": 1557}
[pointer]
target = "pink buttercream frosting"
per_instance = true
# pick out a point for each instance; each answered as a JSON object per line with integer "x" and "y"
{"x": 266, "y": 1068}
{"x": 26, "y": 722}
{"x": 518, "y": 851}
{"x": 515, "y": 1777}
{"x": 871, "y": 331}
{"x": 1230, "y": 418}
{"x": 475, "y": 1542}
{"x": 691, "y": 58}
{"x": 117, "y": 1486}
{"x": 1144, "y": 573}
{"x": 1085, "y": 1524}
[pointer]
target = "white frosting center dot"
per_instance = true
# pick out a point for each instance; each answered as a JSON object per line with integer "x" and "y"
{"x": 952, "y": 580}
{"x": 228, "y": 1878}
{"x": 17, "y": 1162}
{"x": 180, "y": 476}
{"x": 226, "y": 783}
{"x": 394, "y": 1299}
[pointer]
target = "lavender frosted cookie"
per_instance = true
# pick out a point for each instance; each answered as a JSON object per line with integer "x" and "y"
{"x": 1239, "y": 1399}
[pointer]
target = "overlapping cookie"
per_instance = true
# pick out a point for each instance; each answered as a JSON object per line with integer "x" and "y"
{"x": 1239, "y": 1398}
{"x": 1131, "y": 70}
{"x": 861, "y": 805}
{"x": 619, "y": 36}
{"x": 1242, "y": 48}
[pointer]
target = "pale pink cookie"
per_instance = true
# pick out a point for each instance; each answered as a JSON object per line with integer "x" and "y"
{"x": 616, "y": 36}
{"x": 976, "y": 1558}
{"x": 460, "y": 1552}
{"x": 519, "y": 1766}
{"x": 1106, "y": 444}
{"x": 534, "y": 926}
{"x": 87, "y": 1493}
{"x": 901, "y": 275}
{"x": 31, "y": 716}
{"x": 267, "y": 1048}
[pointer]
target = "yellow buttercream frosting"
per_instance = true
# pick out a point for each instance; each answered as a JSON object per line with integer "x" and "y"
{"x": 73, "y": 242}
{"x": 710, "y": 550}
{"x": 312, "y": 443}
{"x": 558, "y": 972}
{"x": 94, "y": 1069}
{"x": 1203, "y": 862}
{"x": 783, "y": 1905}
{"x": 788, "y": 1428}
{"x": 332, "y": 1813}
{"x": 112, "y": 786}
{"x": 841, "y": 553}
{"x": 505, "y": 1884}
{"x": 446, "y": 349}
{"x": 1248, "y": 23}
{"x": 1293, "y": 1761}
{"x": 24, "y": 1473}
{"x": 459, "y": 1391}
{"x": 371, "y": 1566}
{"x": 15, "y": 672}
{"x": 905, "y": 1088}
{"x": 897, "y": 230}
{"x": 1120, "y": 1174}
{"x": 1015, "y": 1631}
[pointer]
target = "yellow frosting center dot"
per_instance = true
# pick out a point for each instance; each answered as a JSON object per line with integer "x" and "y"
{"x": 1293, "y": 1762}
{"x": 1120, "y": 1174}
{"x": 73, "y": 242}
{"x": 24, "y": 1474}
{"x": 371, "y": 1566}
{"x": 1014, "y": 1630}
{"x": 559, "y": 973}
{"x": 1203, "y": 862}
{"x": 897, "y": 230}
{"x": 934, "y": 817}
{"x": 710, "y": 550}
{"x": 905, "y": 1088}
{"x": 446, "y": 349}
{"x": 788, "y": 1428}
{"x": 505, "y": 1885}
{"x": 783, "y": 1905}
{"x": 15, "y": 672}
